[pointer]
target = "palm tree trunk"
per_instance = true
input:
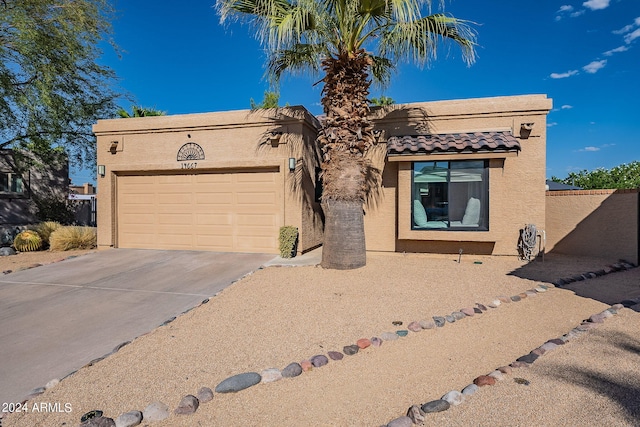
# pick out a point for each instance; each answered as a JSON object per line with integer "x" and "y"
{"x": 344, "y": 245}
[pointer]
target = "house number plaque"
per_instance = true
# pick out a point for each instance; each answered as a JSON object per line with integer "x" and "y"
{"x": 189, "y": 154}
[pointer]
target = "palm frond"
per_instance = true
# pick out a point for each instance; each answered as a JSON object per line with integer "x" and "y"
{"x": 300, "y": 57}
{"x": 381, "y": 70}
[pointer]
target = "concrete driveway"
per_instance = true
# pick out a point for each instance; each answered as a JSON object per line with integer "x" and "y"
{"x": 56, "y": 318}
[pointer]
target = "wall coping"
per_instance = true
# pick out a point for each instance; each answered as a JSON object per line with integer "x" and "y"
{"x": 591, "y": 192}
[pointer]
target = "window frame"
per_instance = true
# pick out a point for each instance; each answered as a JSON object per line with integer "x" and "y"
{"x": 483, "y": 224}
{"x": 11, "y": 176}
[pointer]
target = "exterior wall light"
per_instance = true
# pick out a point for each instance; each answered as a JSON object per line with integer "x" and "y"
{"x": 274, "y": 138}
{"x": 101, "y": 170}
{"x": 292, "y": 164}
{"x": 377, "y": 135}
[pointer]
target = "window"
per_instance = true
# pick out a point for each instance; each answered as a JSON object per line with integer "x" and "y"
{"x": 450, "y": 195}
{"x": 11, "y": 185}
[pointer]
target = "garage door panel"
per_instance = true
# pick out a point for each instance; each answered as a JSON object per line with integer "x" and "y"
{"x": 207, "y": 211}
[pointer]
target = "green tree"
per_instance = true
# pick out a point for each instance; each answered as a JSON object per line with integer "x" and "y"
{"x": 52, "y": 87}
{"x": 137, "y": 111}
{"x": 270, "y": 100}
{"x": 383, "y": 101}
{"x": 624, "y": 176}
{"x": 349, "y": 43}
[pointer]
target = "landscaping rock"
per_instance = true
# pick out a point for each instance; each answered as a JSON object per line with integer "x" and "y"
{"x": 470, "y": 389}
{"x": 439, "y": 321}
{"x": 350, "y": 350}
{"x": 156, "y": 411}
{"x": 458, "y": 315}
{"x": 99, "y": 422}
{"x": 435, "y": 406}
{"x": 449, "y": 318}
{"x": 454, "y": 397}
{"x": 484, "y": 380}
{"x": 504, "y": 299}
{"x": 401, "y": 422}
{"x": 427, "y": 324}
{"x": 363, "y": 343}
{"x": 548, "y": 346}
{"x": 468, "y": 311}
{"x": 7, "y": 251}
{"x": 376, "y": 342}
{"x": 129, "y": 419}
{"x": 238, "y": 382}
{"x": 188, "y": 405}
{"x": 505, "y": 370}
{"x": 481, "y": 306}
{"x": 520, "y": 365}
{"x": 205, "y": 394}
{"x": 292, "y": 370}
{"x": 516, "y": 298}
{"x": 528, "y": 358}
{"x": 414, "y": 327}
{"x": 389, "y": 336}
{"x": 499, "y": 376}
{"x": 402, "y": 333}
{"x": 319, "y": 360}
{"x": 476, "y": 310}
{"x": 416, "y": 414}
{"x": 270, "y": 375}
{"x": 306, "y": 365}
{"x": 335, "y": 355}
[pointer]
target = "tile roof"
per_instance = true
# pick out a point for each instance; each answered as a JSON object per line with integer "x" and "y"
{"x": 452, "y": 143}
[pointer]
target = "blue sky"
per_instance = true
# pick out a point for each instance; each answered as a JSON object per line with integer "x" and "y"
{"x": 585, "y": 55}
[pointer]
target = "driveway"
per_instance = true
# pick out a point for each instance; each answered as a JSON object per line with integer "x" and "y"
{"x": 56, "y": 318}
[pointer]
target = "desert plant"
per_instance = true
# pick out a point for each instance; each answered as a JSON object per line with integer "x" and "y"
{"x": 73, "y": 237}
{"x": 44, "y": 229}
{"x": 27, "y": 241}
{"x": 288, "y": 238}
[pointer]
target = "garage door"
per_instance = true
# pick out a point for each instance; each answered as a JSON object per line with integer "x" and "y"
{"x": 235, "y": 212}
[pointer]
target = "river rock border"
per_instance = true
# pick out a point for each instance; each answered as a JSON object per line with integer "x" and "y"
{"x": 157, "y": 411}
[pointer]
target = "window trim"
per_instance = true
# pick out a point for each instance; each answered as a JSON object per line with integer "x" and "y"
{"x": 24, "y": 194}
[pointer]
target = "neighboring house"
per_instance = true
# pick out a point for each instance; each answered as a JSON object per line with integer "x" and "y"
{"x": 462, "y": 174}
{"x": 25, "y": 179}
{"x": 83, "y": 198}
{"x": 559, "y": 186}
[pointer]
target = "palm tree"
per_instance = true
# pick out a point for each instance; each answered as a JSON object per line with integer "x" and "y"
{"x": 351, "y": 43}
{"x": 139, "y": 112}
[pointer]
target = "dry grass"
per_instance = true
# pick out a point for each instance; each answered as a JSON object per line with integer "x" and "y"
{"x": 73, "y": 237}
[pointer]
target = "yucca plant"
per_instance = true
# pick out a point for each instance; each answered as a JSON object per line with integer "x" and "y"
{"x": 44, "y": 229}
{"x": 73, "y": 237}
{"x": 27, "y": 241}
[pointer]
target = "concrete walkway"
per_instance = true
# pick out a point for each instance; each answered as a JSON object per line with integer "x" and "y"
{"x": 56, "y": 318}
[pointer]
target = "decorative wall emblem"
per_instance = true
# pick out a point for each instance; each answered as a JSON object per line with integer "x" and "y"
{"x": 189, "y": 153}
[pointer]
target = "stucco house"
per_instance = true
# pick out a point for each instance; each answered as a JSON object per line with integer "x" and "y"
{"x": 462, "y": 174}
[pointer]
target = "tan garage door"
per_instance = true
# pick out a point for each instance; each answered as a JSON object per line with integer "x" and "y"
{"x": 235, "y": 212}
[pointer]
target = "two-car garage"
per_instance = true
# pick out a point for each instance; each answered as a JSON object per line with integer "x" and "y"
{"x": 231, "y": 211}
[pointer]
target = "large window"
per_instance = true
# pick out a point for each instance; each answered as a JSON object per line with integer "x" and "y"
{"x": 11, "y": 185}
{"x": 450, "y": 195}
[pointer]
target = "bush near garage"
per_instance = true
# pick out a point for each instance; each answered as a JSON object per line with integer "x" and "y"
{"x": 288, "y": 239}
{"x": 73, "y": 237}
{"x": 44, "y": 229}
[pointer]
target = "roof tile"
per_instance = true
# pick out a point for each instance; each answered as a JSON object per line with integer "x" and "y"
{"x": 452, "y": 142}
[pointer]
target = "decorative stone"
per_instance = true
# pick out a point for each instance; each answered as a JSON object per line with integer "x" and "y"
{"x": 363, "y": 343}
{"x": 350, "y": 350}
{"x": 454, "y": 398}
{"x": 96, "y": 413}
{"x": 292, "y": 370}
{"x": 556, "y": 341}
{"x": 449, "y": 318}
{"x": 477, "y": 310}
{"x": 156, "y": 411}
{"x": 528, "y": 358}
{"x": 531, "y": 293}
{"x": 499, "y": 376}
{"x": 188, "y": 405}
{"x": 520, "y": 365}
{"x": 129, "y": 419}
{"x": 435, "y": 406}
{"x": 7, "y": 251}
{"x": 99, "y": 422}
{"x": 458, "y": 315}
{"x": 587, "y": 326}
{"x": 376, "y": 342}
{"x": 414, "y": 327}
{"x": 617, "y": 306}
{"x": 319, "y": 360}
{"x": 270, "y": 375}
{"x": 306, "y": 365}
{"x": 401, "y": 422}
{"x": 238, "y": 382}
{"x": 470, "y": 389}
{"x": 606, "y": 314}
{"x": 504, "y": 299}
{"x": 205, "y": 394}
{"x": 505, "y": 370}
{"x": 467, "y": 311}
{"x": 484, "y": 380}
{"x": 402, "y": 333}
{"x": 540, "y": 289}
{"x": 516, "y": 298}
{"x": 496, "y": 302}
{"x": 522, "y": 295}
{"x": 427, "y": 324}
{"x": 492, "y": 305}
{"x": 416, "y": 414}
{"x": 51, "y": 384}
{"x": 440, "y": 321}
{"x": 481, "y": 306}
{"x": 597, "y": 318}
{"x": 548, "y": 346}
{"x": 335, "y": 355}
{"x": 389, "y": 336}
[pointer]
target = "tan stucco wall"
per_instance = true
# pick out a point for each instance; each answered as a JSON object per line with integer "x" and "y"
{"x": 516, "y": 183}
{"x": 231, "y": 141}
{"x": 599, "y": 223}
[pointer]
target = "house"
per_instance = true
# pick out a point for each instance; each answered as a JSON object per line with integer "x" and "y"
{"x": 462, "y": 174}
{"x": 29, "y": 185}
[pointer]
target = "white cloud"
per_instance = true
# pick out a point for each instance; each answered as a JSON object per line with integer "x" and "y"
{"x": 563, "y": 75}
{"x": 616, "y": 50}
{"x": 590, "y": 149}
{"x": 566, "y": 107}
{"x": 632, "y": 36}
{"x": 552, "y": 124}
{"x": 565, "y": 8}
{"x": 596, "y": 4}
{"x": 577, "y": 13}
{"x": 595, "y": 66}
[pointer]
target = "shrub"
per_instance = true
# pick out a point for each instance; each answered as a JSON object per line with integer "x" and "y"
{"x": 27, "y": 241}
{"x": 55, "y": 209}
{"x": 45, "y": 229}
{"x": 73, "y": 237}
{"x": 288, "y": 239}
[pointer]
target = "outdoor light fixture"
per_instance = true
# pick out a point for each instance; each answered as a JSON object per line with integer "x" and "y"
{"x": 113, "y": 147}
{"x": 292, "y": 164}
{"x": 275, "y": 138}
{"x": 525, "y": 130}
{"x": 101, "y": 170}
{"x": 527, "y": 126}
